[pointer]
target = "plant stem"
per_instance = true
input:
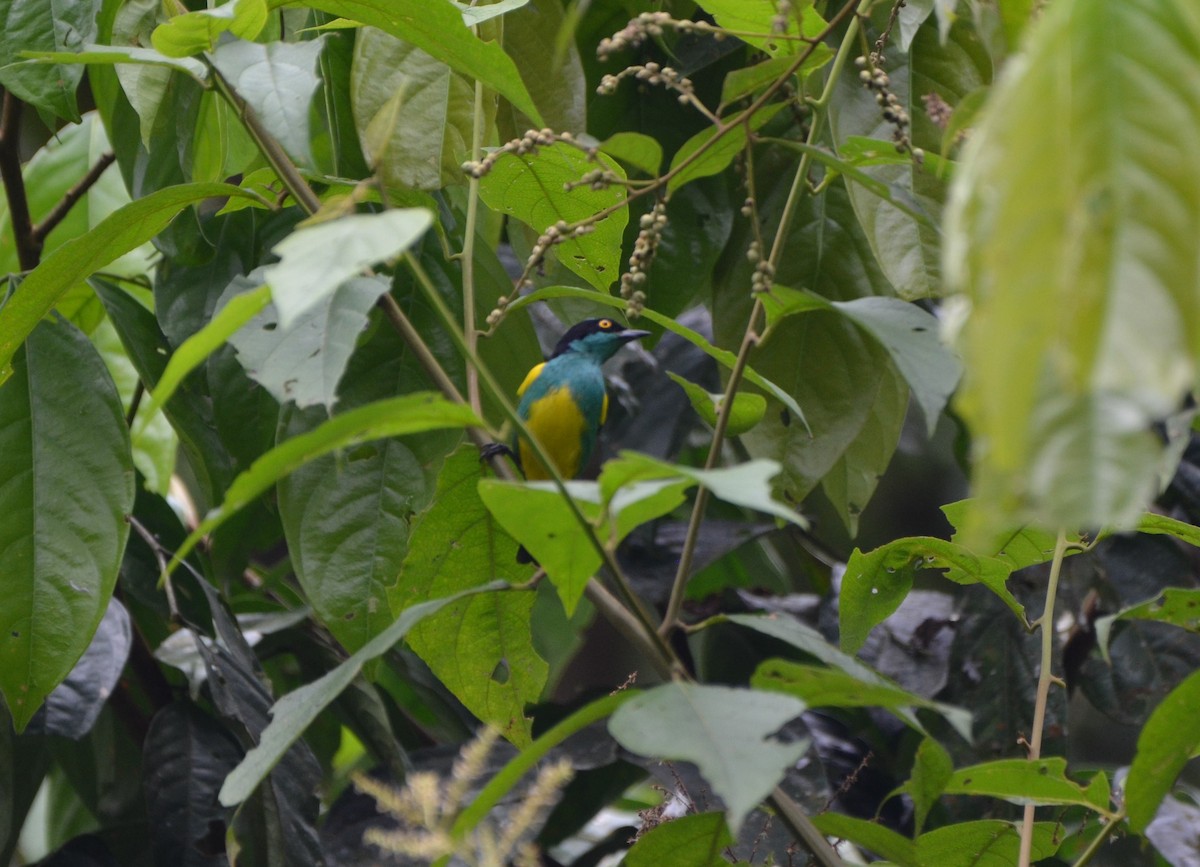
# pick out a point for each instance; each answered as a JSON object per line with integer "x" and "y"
{"x": 1045, "y": 676}
{"x": 750, "y": 336}
{"x": 28, "y": 250}
{"x": 1105, "y": 832}
{"x": 468, "y": 254}
{"x": 271, "y": 150}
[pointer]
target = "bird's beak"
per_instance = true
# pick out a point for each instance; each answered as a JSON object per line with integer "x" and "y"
{"x": 633, "y": 334}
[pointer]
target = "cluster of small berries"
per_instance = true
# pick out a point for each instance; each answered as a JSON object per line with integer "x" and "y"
{"x": 651, "y": 73}
{"x": 526, "y": 145}
{"x": 649, "y": 25}
{"x": 872, "y": 75}
{"x": 764, "y": 272}
{"x": 650, "y": 233}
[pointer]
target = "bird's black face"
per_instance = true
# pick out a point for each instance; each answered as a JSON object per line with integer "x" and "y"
{"x": 602, "y": 337}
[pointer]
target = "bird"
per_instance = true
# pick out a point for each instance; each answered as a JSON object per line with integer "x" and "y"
{"x": 564, "y": 402}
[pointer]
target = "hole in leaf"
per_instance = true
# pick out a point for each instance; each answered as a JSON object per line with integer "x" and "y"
{"x": 270, "y": 326}
{"x": 501, "y": 673}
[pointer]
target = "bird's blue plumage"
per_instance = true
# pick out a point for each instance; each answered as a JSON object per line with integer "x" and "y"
{"x": 563, "y": 400}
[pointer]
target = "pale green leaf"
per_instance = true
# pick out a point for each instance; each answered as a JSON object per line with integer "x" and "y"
{"x": 192, "y": 33}
{"x": 729, "y": 734}
{"x": 278, "y": 81}
{"x": 876, "y": 836}
{"x": 1084, "y": 323}
{"x": 113, "y": 54}
{"x": 555, "y": 78}
{"x": 532, "y": 188}
{"x": 66, "y": 488}
{"x": 1178, "y": 606}
{"x": 304, "y": 363}
{"x": 315, "y": 259}
{"x": 474, "y": 15}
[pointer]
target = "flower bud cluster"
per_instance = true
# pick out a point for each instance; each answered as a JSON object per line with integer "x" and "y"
{"x": 651, "y": 73}
{"x": 637, "y": 31}
{"x": 527, "y": 145}
{"x": 876, "y": 80}
{"x": 763, "y": 276}
{"x": 783, "y": 12}
{"x": 650, "y": 230}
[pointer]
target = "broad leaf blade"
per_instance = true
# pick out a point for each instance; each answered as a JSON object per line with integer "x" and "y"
{"x": 730, "y": 734}
{"x": 1167, "y": 740}
{"x": 65, "y": 489}
{"x": 480, "y": 647}
{"x": 1084, "y": 325}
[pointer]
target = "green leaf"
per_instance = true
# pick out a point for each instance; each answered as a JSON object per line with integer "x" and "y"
{"x": 112, "y": 54}
{"x": 437, "y": 28}
{"x": 278, "y": 81}
{"x": 535, "y": 514}
{"x": 480, "y": 647}
{"x": 315, "y": 259}
{"x": 636, "y": 149}
{"x": 413, "y": 113}
{"x": 729, "y": 734}
{"x": 880, "y": 839}
{"x": 297, "y": 710}
{"x": 195, "y": 32}
{"x": 1167, "y": 740}
{"x": 750, "y": 79}
{"x": 754, "y": 22}
{"x": 65, "y": 489}
{"x": 747, "y": 411}
{"x": 710, "y": 151}
{"x": 747, "y": 485}
{"x": 555, "y": 78}
{"x": 532, "y": 188}
{"x": 412, "y": 413}
{"x": 932, "y": 769}
{"x": 910, "y": 336}
{"x": 1025, "y": 781}
{"x": 1020, "y": 547}
{"x": 304, "y": 363}
{"x": 827, "y": 687}
{"x": 986, "y": 843}
{"x": 1166, "y": 526}
{"x": 475, "y": 15}
{"x": 155, "y": 446}
{"x": 875, "y": 583}
{"x": 124, "y": 230}
{"x": 33, "y": 25}
{"x": 697, "y": 840}
{"x": 1175, "y": 605}
{"x": 1072, "y": 359}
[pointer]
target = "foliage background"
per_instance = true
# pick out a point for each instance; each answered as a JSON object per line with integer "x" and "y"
{"x": 276, "y": 269}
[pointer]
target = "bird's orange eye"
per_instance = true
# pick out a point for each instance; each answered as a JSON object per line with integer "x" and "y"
{"x": 606, "y": 324}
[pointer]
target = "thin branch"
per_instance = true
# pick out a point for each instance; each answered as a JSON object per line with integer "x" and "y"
{"x": 468, "y": 252}
{"x": 29, "y": 251}
{"x": 73, "y": 195}
{"x": 750, "y": 336}
{"x": 1109, "y": 826}
{"x": 138, "y": 391}
{"x": 1045, "y": 677}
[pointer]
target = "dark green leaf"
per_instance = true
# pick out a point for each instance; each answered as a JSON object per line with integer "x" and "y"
{"x": 878, "y": 838}
{"x": 932, "y": 767}
{"x": 65, "y": 488}
{"x": 127, "y": 228}
{"x": 31, "y": 25}
{"x": 480, "y": 647}
{"x": 437, "y": 28}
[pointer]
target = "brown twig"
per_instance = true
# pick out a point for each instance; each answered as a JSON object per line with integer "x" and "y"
{"x": 29, "y": 250}
{"x": 39, "y": 231}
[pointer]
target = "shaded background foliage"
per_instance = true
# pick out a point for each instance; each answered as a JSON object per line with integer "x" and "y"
{"x": 248, "y": 248}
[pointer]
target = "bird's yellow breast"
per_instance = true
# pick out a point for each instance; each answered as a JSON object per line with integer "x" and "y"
{"x": 559, "y": 426}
